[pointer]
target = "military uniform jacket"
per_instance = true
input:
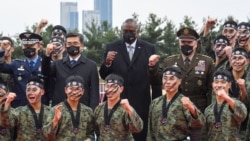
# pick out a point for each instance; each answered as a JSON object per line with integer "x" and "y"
{"x": 121, "y": 125}
{"x": 21, "y": 73}
{"x": 22, "y": 118}
{"x": 230, "y": 122}
{"x": 196, "y": 79}
{"x": 64, "y": 129}
{"x": 5, "y": 134}
{"x": 179, "y": 121}
{"x": 62, "y": 69}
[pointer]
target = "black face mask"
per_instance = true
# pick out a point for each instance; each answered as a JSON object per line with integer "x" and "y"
{"x": 129, "y": 37}
{"x": 73, "y": 50}
{"x": 186, "y": 50}
{"x": 29, "y": 52}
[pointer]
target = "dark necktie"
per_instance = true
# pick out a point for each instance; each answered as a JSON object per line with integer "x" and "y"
{"x": 72, "y": 62}
{"x": 187, "y": 62}
{"x": 31, "y": 64}
{"x": 130, "y": 52}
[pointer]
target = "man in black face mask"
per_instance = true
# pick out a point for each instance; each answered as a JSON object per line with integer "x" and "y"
{"x": 196, "y": 71}
{"x": 74, "y": 63}
{"x": 128, "y": 57}
{"x": 23, "y": 70}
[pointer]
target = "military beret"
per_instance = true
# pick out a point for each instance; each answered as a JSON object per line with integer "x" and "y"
{"x": 30, "y": 38}
{"x": 243, "y": 25}
{"x": 172, "y": 70}
{"x": 187, "y": 33}
{"x": 35, "y": 81}
{"x": 59, "y": 28}
{"x": 222, "y": 74}
{"x": 7, "y": 38}
{"x": 221, "y": 39}
{"x": 75, "y": 80}
{"x": 240, "y": 51}
{"x": 114, "y": 78}
{"x": 56, "y": 39}
{"x": 230, "y": 23}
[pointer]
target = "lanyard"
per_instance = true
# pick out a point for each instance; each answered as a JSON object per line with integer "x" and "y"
{"x": 165, "y": 109}
{"x": 217, "y": 115}
{"x": 107, "y": 116}
{"x": 38, "y": 120}
{"x": 75, "y": 120}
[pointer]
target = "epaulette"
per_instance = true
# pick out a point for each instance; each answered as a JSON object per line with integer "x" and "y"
{"x": 206, "y": 56}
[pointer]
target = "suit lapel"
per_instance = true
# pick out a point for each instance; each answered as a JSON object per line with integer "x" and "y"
{"x": 138, "y": 50}
{"x": 124, "y": 52}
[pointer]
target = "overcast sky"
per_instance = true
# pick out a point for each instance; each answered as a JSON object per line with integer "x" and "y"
{"x": 17, "y": 14}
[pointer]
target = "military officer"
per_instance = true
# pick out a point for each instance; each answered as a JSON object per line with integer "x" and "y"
{"x": 5, "y": 134}
{"x": 173, "y": 115}
{"x": 29, "y": 119}
{"x": 196, "y": 70}
{"x": 71, "y": 120}
{"x": 7, "y": 46}
{"x": 122, "y": 120}
{"x": 23, "y": 70}
{"x": 223, "y": 116}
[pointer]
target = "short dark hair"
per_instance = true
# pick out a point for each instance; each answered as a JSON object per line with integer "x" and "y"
{"x": 130, "y": 20}
{"x": 74, "y": 34}
{"x": 9, "y": 39}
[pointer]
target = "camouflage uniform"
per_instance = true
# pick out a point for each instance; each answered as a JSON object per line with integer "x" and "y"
{"x": 64, "y": 129}
{"x": 5, "y": 134}
{"x": 196, "y": 79}
{"x": 22, "y": 118}
{"x": 121, "y": 125}
{"x": 230, "y": 122}
{"x": 179, "y": 121}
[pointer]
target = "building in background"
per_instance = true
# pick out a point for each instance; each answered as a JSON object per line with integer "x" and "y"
{"x": 69, "y": 15}
{"x": 89, "y": 17}
{"x": 105, "y": 9}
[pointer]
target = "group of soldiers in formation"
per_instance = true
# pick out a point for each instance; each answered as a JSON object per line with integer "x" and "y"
{"x": 200, "y": 94}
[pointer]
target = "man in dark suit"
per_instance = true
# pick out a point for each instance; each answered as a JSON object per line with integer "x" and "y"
{"x": 128, "y": 57}
{"x": 74, "y": 63}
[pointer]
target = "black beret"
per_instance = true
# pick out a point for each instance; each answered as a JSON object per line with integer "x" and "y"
{"x": 172, "y": 70}
{"x": 56, "y": 39}
{"x": 7, "y": 38}
{"x": 230, "y": 23}
{"x": 30, "y": 38}
{"x": 221, "y": 39}
{"x": 35, "y": 81}
{"x": 114, "y": 78}
{"x": 243, "y": 25}
{"x": 187, "y": 33}
{"x": 222, "y": 74}
{"x": 59, "y": 28}
{"x": 240, "y": 51}
{"x": 74, "y": 80}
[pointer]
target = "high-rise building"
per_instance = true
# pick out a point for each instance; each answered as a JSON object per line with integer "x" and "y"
{"x": 105, "y": 9}
{"x": 69, "y": 15}
{"x": 89, "y": 17}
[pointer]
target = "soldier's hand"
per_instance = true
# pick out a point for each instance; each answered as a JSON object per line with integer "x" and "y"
{"x": 125, "y": 104}
{"x": 49, "y": 49}
{"x": 222, "y": 93}
{"x": 186, "y": 102}
{"x": 57, "y": 115}
{"x": 153, "y": 59}
{"x": 43, "y": 23}
{"x": 228, "y": 51}
{"x": 110, "y": 57}
{"x": 241, "y": 82}
{"x": 11, "y": 96}
{"x": 210, "y": 22}
{"x": 88, "y": 139}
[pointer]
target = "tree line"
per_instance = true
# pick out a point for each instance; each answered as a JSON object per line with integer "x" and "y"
{"x": 159, "y": 31}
